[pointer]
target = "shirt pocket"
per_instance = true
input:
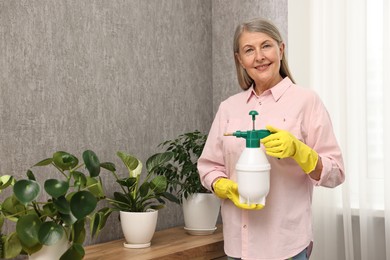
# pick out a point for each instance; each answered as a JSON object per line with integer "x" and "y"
{"x": 232, "y": 144}
{"x": 290, "y": 124}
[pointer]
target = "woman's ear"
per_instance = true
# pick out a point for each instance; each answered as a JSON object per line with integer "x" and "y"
{"x": 281, "y": 49}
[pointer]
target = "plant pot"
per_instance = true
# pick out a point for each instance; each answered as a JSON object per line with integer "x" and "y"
{"x": 138, "y": 228}
{"x": 201, "y": 212}
{"x": 52, "y": 252}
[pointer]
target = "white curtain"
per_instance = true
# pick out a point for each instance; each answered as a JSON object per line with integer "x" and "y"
{"x": 349, "y": 46}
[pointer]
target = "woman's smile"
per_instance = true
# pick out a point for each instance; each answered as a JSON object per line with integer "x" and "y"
{"x": 263, "y": 67}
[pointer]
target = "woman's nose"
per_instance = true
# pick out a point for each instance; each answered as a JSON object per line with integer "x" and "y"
{"x": 259, "y": 55}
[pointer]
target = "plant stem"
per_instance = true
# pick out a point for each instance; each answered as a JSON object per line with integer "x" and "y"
{"x": 134, "y": 193}
{"x": 117, "y": 178}
{"x": 75, "y": 168}
{"x": 61, "y": 171}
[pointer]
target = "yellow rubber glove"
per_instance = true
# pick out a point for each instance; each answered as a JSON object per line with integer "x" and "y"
{"x": 228, "y": 189}
{"x": 283, "y": 144}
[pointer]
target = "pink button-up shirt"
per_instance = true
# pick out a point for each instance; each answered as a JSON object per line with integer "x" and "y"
{"x": 283, "y": 228}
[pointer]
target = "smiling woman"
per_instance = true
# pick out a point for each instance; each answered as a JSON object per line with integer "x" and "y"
{"x": 302, "y": 150}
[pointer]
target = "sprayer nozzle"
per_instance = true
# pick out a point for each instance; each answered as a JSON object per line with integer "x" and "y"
{"x": 228, "y": 134}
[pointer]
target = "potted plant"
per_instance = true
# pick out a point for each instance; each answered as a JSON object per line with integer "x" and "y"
{"x": 138, "y": 201}
{"x": 51, "y": 218}
{"x": 200, "y": 206}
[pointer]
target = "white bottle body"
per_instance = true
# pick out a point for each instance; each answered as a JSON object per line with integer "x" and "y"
{"x": 253, "y": 176}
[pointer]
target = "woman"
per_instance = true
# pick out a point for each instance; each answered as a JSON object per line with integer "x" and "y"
{"x": 302, "y": 150}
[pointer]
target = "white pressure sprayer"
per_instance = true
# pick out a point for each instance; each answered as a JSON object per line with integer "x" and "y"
{"x": 253, "y": 168}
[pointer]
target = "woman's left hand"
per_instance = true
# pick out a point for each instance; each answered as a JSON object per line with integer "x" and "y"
{"x": 282, "y": 144}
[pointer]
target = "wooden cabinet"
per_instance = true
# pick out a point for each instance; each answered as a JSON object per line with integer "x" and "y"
{"x": 168, "y": 244}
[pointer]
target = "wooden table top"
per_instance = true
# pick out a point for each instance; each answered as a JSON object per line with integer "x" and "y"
{"x": 173, "y": 243}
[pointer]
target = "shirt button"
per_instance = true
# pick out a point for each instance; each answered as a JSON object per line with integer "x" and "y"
{"x": 260, "y": 103}
{"x": 244, "y": 226}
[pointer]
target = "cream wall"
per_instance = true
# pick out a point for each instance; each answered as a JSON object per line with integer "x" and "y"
{"x": 114, "y": 75}
{"x": 299, "y": 41}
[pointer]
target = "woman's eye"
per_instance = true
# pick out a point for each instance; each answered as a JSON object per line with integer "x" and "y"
{"x": 247, "y": 51}
{"x": 265, "y": 46}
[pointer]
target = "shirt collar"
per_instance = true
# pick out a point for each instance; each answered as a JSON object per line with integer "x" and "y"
{"x": 276, "y": 91}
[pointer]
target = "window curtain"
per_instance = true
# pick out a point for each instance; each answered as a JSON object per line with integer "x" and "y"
{"x": 350, "y": 70}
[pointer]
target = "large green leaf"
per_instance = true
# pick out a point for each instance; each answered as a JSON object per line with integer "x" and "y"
{"x": 131, "y": 182}
{"x": 64, "y": 160}
{"x": 157, "y": 160}
{"x": 80, "y": 180}
{"x": 121, "y": 198}
{"x": 79, "y": 231}
{"x": 44, "y": 162}
{"x": 122, "y": 202}
{"x": 108, "y": 166}
{"x": 98, "y": 221}
{"x": 62, "y": 205}
{"x": 159, "y": 184}
{"x": 27, "y": 229}
{"x": 30, "y": 175}
{"x": 144, "y": 189}
{"x": 75, "y": 252}
{"x": 12, "y": 246}
{"x": 170, "y": 197}
{"x": 56, "y": 188}
{"x": 68, "y": 219}
{"x": 82, "y": 203}
{"x": 5, "y": 181}
{"x": 95, "y": 222}
{"x": 133, "y": 164}
{"x": 49, "y": 209}
{"x": 11, "y": 206}
{"x": 26, "y": 190}
{"x": 50, "y": 233}
{"x": 95, "y": 187}
{"x": 92, "y": 163}
{"x": 1, "y": 224}
{"x": 127, "y": 182}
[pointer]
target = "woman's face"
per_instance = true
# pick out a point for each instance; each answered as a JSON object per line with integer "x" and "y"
{"x": 260, "y": 56}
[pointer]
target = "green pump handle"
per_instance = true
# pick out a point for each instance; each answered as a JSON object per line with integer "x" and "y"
{"x": 252, "y": 136}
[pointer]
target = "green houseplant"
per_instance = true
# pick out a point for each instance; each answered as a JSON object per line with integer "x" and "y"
{"x": 181, "y": 171}
{"x": 139, "y": 200}
{"x": 61, "y": 208}
{"x": 200, "y": 206}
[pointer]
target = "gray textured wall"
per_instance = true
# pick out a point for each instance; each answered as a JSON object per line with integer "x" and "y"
{"x": 114, "y": 75}
{"x": 102, "y": 75}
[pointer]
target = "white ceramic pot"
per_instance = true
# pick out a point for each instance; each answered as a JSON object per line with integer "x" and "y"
{"x": 138, "y": 228}
{"x": 52, "y": 252}
{"x": 201, "y": 212}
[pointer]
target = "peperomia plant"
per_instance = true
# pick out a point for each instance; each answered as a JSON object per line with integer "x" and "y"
{"x": 62, "y": 206}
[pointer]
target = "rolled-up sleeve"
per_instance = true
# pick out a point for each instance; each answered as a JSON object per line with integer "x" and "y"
{"x": 322, "y": 139}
